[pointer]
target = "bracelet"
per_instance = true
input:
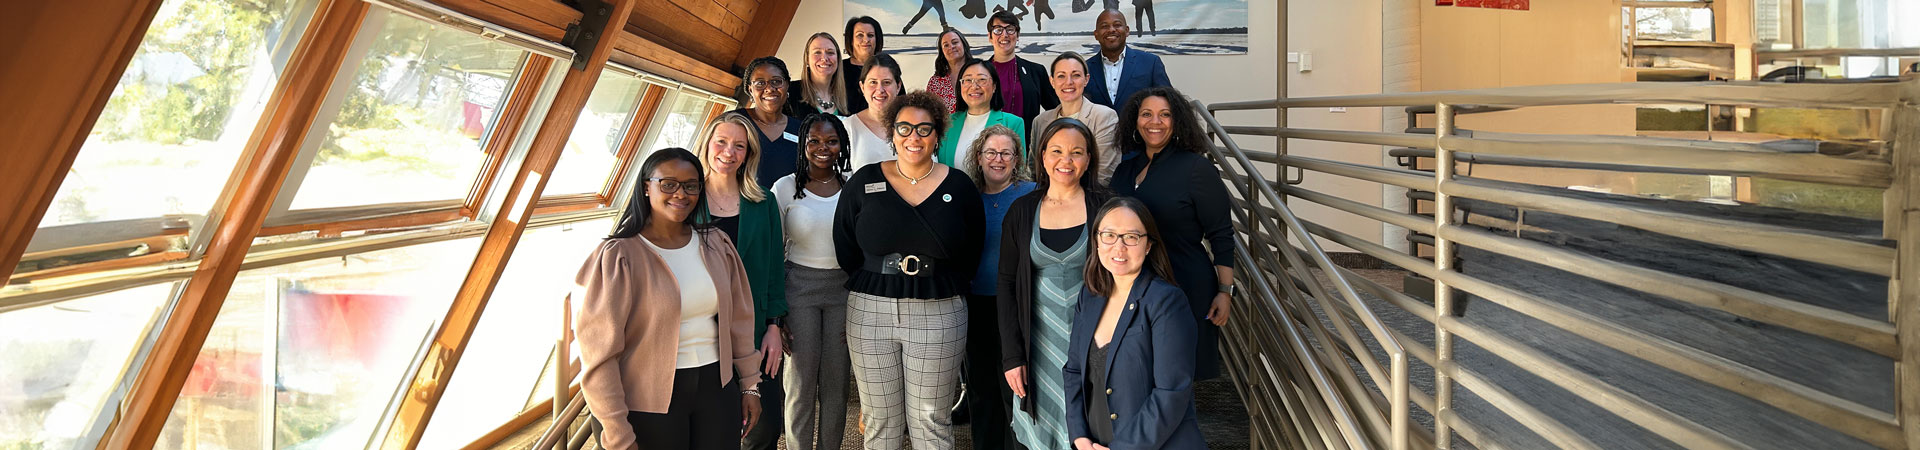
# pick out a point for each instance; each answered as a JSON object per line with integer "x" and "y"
{"x": 752, "y": 392}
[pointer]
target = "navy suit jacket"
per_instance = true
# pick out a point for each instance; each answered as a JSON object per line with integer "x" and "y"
{"x": 1141, "y": 70}
{"x": 1150, "y": 364}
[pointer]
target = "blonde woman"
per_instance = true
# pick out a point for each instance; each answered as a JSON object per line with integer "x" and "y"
{"x": 821, "y": 86}
{"x": 749, "y": 217}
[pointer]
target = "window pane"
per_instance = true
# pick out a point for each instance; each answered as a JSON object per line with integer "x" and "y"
{"x": 1674, "y": 24}
{"x": 509, "y": 350}
{"x": 410, "y": 129}
{"x": 189, "y": 99}
{"x": 334, "y": 338}
{"x": 595, "y": 143}
{"x": 683, "y": 123}
{"x": 58, "y": 362}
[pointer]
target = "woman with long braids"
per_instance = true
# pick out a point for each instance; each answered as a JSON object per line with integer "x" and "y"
{"x": 816, "y": 288}
{"x": 1187, "y": 197}
{"x": 666, "y": 321}
{"x": 739, "y": 207}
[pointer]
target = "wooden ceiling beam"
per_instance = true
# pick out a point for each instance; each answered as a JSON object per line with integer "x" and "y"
{"x": 769, "y": 26}
{"x": 635, "y": 46}
{"x": 463, "y": 316}
{"x": 271, "y": 151}
{"x": 55, "y": 80}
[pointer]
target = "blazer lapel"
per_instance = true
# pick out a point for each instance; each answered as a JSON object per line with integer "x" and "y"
{"x": 1135, "y": 69}
{"x": 1120, "y": 327}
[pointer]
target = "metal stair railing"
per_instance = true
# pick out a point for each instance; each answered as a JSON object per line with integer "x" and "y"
{"x": 1265, "y": 254}
{"x": 1295, "y": 352}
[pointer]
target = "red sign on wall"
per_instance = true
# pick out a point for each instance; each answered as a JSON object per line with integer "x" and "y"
{"x": 1495, "y": 4}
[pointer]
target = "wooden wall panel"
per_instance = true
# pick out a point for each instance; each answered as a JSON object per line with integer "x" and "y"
{"x": 54, "y": 82}
{"x": 636, "y": 47}
{"x": 669, "y": 24}
{"x": 270, "y": 152}
{"x": 463, "y": 316}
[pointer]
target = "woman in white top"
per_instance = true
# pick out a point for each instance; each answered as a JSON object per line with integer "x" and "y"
{"x": 1069, "y": 80}
{"x": 816, "y": 288}
{"x": 869, "y": 141}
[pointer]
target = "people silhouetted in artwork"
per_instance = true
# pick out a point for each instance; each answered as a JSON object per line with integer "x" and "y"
{"x": 924, "y": 6}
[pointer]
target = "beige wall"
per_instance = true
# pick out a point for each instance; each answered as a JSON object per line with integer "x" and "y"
{"x": 1557, "y": 42}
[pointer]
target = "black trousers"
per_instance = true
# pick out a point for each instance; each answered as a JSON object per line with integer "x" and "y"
{"x": 766, "y": 434}
{"x": 988, "y": 397}
{"x": 704, "y": 415}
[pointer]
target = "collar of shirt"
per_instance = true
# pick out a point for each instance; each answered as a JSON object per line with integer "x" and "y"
{"x": 1113, "y": 68}
{"x": 1115, "y": 61}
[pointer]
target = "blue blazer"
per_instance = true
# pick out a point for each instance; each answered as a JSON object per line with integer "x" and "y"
{"x": 1149, "y": 369}
{"x": 1141, "y": 70}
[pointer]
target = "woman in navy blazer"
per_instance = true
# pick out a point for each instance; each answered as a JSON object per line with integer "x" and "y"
{"x": 1129, "y": 374}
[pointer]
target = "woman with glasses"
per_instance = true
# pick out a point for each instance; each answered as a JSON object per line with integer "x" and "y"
{"x": 1070, "y": 84}
{"x": 1024, "y": 89}
{"x": 1002, "y": 181}
{"x": 864, "y": 43}
{"x": 667, "y": 321}
{"x": 737, "y": 205}
{"x": 1184, "y": 192}
{"x": 954, "y": 52}
{"x": 763, "y": 98}
{"x": 816, "y": 288}
{"x": 908, "y": 234}
{"x": 1043, "y": 247}
{"x": 822, "y": 86}
{"x": 1129, "y": 375}
{"x": 978, "y": 89}
{"x": 869, "y": 128}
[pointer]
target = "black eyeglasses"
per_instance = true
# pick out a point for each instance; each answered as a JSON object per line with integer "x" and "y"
{"x": 669, "y": 185}
{"x": 904, "y": 129}
{"x": 1002, "y": 30}
{"x": 773, "y": 84}
{"x": 1127, "y": 239}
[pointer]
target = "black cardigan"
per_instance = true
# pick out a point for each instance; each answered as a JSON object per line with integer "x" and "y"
{"x": 1016, "y": 287}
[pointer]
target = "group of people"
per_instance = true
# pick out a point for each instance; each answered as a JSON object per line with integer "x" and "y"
{"x": 1006, "y": 227}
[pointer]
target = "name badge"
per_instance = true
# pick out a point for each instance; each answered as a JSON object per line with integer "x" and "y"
{"x": 876, "y": 187}
{"x": 789, "y": 137}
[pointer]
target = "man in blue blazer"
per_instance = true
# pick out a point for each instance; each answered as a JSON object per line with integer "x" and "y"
{"x": 1118, "y": 72}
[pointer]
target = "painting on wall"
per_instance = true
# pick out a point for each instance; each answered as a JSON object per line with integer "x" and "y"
{"x": 1048, "y": 27}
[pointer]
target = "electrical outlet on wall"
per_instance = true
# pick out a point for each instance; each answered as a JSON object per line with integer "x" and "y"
{"x": 1306, "y": 61}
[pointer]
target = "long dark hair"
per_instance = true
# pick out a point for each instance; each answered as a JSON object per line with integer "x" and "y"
{"x": 805, "y": 165}
{"x": 1187, "y": 135}
{"x": 879, "y": 37}
{"x": 940, "y": 65}
{"x": 1099, "y": 280}
{"x": 639, "y": 209}
{"x": 744, "y": 93}
{"x": 1089, "y": 181}
{"x": 996, "y": 102}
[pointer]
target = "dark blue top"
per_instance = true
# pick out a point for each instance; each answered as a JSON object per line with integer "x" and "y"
{"x": 1151, "y": 404}
{"x": 986, "y": 279}
{"x": 778, "y": 154}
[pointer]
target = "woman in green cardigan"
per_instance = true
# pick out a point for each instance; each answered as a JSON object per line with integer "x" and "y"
{"x": 738, "y": 206}
{"x": 979, "y": 94}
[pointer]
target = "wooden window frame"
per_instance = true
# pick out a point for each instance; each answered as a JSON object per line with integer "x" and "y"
{"x": 526, "y": 90}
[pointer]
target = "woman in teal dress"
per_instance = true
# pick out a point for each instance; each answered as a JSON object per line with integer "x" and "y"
{"x": 1043, "y": 250}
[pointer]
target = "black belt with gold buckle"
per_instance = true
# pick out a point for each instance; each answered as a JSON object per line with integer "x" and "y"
{"x": 899, "y": 264}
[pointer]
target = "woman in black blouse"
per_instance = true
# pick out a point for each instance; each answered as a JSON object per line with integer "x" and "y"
{"x": 1187, "y": 197}
{"x": 908, "y": 234}
{"x": 864, "y": 41}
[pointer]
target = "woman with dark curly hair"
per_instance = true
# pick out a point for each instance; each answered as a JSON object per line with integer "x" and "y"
{"x": 908, "y": 232}
{"x": 1161, "y": 133}
{"x": 816, "y": 288}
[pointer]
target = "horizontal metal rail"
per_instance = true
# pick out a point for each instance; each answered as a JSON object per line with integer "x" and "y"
{"x": 1740, "y": 93}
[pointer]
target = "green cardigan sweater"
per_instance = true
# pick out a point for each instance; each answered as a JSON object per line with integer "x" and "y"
{"x": 949, "y": 144}
{"x": 763, "y": 250}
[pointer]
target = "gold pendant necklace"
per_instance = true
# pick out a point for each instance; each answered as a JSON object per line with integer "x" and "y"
{"x": 911, "y": 180}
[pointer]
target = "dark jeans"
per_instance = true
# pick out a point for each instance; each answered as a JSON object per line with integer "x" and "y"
{"x": 988, "y": 398}
{"x": 703, "y": 415}
{"x": 766, "y": 434}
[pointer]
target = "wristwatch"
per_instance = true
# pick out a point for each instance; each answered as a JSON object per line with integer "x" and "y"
{"x": 1228, "y": 289}
{"x": 780, "y": 321}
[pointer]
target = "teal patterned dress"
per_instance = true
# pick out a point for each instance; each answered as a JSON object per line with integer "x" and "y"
{"x": 1059, "y": 282}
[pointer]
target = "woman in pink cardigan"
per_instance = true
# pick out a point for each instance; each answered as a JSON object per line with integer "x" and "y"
{"x": 666, "y": 321}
